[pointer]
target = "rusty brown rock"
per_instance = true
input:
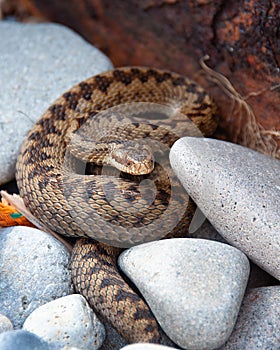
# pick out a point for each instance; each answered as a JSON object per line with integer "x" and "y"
{"x": 242, "y": 38}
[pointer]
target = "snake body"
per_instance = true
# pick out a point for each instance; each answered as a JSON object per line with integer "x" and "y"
{"x": 73, "y": 203}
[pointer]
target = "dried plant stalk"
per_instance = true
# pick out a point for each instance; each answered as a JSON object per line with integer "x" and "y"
{"x": 252, "y": 134}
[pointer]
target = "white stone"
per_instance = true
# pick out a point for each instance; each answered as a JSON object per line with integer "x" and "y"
{"x": 38, "y": 62}
{"x": 5, "y": 324}
{"x": 145, "y": 346}
{"x": 34, "y": 269}
{"x": 238, "y": 190}
{"x": 194, "y": 287}
{"x": 258, "y": 323}
{"x": 67, "y": 321}
{"x": 23, "y": 340}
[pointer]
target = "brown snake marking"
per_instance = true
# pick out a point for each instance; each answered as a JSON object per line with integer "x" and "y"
{"x": 41, "y": 178}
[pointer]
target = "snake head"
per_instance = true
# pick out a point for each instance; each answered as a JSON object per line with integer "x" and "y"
{"x": 132, "y": 157}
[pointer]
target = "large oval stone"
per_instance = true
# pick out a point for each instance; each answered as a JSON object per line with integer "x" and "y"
{"x": 194, "y": 287}
{"x": 238, "y": 190}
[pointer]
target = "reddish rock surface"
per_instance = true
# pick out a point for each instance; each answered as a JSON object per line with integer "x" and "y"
{"x": 241, "y": 37}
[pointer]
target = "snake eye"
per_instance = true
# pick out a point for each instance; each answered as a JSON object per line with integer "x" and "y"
{"x": 128, "y": 163}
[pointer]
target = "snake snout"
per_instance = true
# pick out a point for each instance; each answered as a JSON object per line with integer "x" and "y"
{"x": 133, "y": 158}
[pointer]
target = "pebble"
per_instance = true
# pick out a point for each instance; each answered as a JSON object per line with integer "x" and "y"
{"x": 258, "y": 323}
{"x": 194, "y": 287}
{"x": 145, "y": 346}
{"x": 23, "y": 340}
{"x": 238, "y": 189}
{"x": 33, "y": 271}
{"x": 257, "y": 278}
{"x": 67, "y": 321}
{"x": 38, "y": 62}
{"x": 5, "y": 324}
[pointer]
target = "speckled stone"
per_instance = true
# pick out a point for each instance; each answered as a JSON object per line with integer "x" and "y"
{"x": 5, "y": 324}
{"x": 194, "y": 287}
{"x": 33, "y": 271}
{"x": 258, "y": 277}
{"x": 238, "y": 190}
{"x": 145, "y": 346}
{"x": 67, "y": 321}
{"x": 23, "y": 340}
{"x": 38, "y": 62}
{"x": 258, "y": 323}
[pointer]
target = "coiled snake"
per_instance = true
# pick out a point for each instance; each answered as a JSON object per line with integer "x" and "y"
{"x": 73, "y": 198}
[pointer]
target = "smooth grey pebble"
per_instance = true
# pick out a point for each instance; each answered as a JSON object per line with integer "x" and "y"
{"x": 258, "y": 323}
{"x": 38, "y": 62}
{"x": 238, "y": 190}
{"x": 145, "y": 346}
{"x": 23, "y": 340}
{"x": 194, "y": 287}
{"x": 5, "y": 324}
{"x": 67, "y": 321}
{"x": 33, "y": 271}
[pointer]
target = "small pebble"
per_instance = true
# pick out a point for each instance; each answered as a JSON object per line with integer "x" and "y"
{"x": 5, "y": 324}
{"x": 258, "y": 277}
{"x": 238, "y": 189}
{"x": 38, "y": 62}
{"x": 194, "y": 287}
{"x": 145, "y": 346}
{"x": 33, "y": 271}
{"x": 67, "y": 321}
{"x": 23, "y": 340}
{"x": 258, "y": 323}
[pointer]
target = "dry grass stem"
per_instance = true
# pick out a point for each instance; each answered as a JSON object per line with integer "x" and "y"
{"x": 251, "y": 134}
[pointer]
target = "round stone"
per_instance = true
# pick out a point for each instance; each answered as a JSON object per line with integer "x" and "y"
{"x": 238, "y": 190}
{"x": 33, "y": 271}
{"x": 38, "y": 62}
{"x": 67, "y": 321}
{"x": 194, "y": 287}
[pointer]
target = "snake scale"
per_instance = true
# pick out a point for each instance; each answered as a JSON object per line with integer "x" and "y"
{"x": 71, "y": 202}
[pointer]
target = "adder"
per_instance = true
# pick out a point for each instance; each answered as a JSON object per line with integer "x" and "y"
{"x": 101, "y": 124}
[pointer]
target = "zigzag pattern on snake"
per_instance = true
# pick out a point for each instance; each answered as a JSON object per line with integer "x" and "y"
{"x": 73, "y": 203}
